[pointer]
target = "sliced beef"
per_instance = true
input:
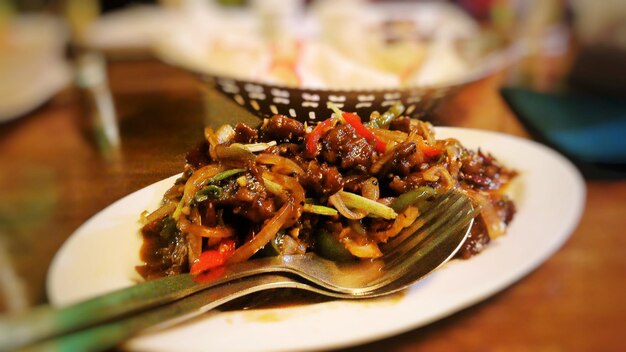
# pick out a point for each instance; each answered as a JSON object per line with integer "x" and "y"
{"x": 476, "y": 240}
{"x": 249, "y": 199}
{"x": 164, "y": 250}
{"x": 412, "y": 181}
{"x": 506, "y": 209}
{"x": 342, "y": 146}
{"x": 198, "y": 156}
{"x": 282, "y": 129}
{"x": 406, "y": 159}
{"x": 481, "y": 171}
{"x": 321, "y": 179}
{"x": 401, "y": 124}
{"x": 354, "y": 183}
{"x": 245, "y": 134}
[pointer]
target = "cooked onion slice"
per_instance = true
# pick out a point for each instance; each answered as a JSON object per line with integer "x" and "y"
{"x": 255, "y": 147}
{"x": 359, "y": 246}
{"x": 383, "y": 160}
{"x": 273, "y": 187}
{"x": 163, "y": 211}
{"x": 390, "y": 137}
{"x": 493, "y": 222}
{"x": 224, "y": 134}
{"x": 266, "y": 234}
{"x": 194, "y": 243}
{"x": 198, "y": 230}
{"x": 233, "y": 152}
{"x": 210, "y": 137}
{"x": 294, "y": 193}
{"x": 403, "y": 220}
{"x": 195, "y": 182}
{"x": 368, "y": 250}
{"x": 436, "y": 172}
{"x": 281, "y": 164}
{"x": 341, "y": 207}
{"x": 371, "y": 207}
{"x": 370, "y": 189}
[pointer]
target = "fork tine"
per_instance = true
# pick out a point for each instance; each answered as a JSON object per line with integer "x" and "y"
{"x": 423, "y": 242}
{"x": 432, "y": 216}
{"x": 403, "y": 276}
{"x": 460, "y": 214}
{"x": 432, "y": 210}
{"x": 422, "y": 237}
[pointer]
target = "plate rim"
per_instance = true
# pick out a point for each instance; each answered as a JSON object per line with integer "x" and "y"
{"x": 576, "y": 210}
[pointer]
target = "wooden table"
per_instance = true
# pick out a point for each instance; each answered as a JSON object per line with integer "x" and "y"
{"x": 53, "y": 177}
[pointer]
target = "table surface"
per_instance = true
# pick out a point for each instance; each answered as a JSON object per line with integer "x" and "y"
{"x": 54, "y": 177}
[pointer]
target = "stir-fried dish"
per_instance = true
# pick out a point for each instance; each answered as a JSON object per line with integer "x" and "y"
{"x": 340, "y": 188}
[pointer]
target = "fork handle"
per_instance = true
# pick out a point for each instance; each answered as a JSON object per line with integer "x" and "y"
{"x": 45, "y": 321}
{"x": 108, "y": 335}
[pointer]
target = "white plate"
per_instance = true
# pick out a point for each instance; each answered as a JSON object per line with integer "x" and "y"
{"x": 33, "y": 66}
{"x": 549, "y": 194}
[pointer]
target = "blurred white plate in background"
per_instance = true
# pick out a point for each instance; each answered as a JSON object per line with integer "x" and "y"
{"x": 32, "y": 65}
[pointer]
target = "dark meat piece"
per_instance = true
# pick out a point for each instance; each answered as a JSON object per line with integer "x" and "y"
{"x": 506, "y": 209}
{"x": 406, "y": 158}
{"x": 333, "y": 227}
{"x": 288, "y": 150}
{"x": 412, "y": 181}
{"x": 481, "y": 171}
{"x": 199, "y": 156}
{"x": 307, "y": 229}
{"x": 245, "y": 134}
{"x": 354, "y": 183}
{"x": 401, "y": 124}
{"x": 257, "y": 209}
{"x": 282, "y": 129}
{"x": 478, "y": 237}
{"x": 343, "y": 146}
{"x": 250, "y": 200}
{"x": 321, "y": 179}
{"x": 376, "y": 224}
{"x": 153, "y": 229}
{"x": 164, "y": 252}
{"x": 476, "y": 240}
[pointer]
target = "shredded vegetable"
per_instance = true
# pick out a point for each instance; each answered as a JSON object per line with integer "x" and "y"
{"x": 340, "y": 188}
{"x": 385, "y": 119}
{"x": 412, "y": 197}
{"x": 372, "y": 208}
{"x": 319, "y": 209}
{"x": 313, "y": 138}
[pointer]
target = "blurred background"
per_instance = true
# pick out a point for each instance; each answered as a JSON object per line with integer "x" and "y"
{"x": 119, "y": 69}
{"x": 349, "y": 44}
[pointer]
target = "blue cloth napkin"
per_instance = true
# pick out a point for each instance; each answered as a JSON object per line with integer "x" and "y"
{"x": 586, "y": 129}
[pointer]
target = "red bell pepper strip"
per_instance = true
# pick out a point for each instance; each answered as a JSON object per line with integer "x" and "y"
{"x": 430, "y": 151}
{"x": 361, "y": 130}
{"x": 315, "y": 135}
{"x": 215, "y": 258}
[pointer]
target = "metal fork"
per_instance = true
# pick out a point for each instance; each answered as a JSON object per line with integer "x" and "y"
{"x": 439, "y": 232}
{"x": 108, "y": 335}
